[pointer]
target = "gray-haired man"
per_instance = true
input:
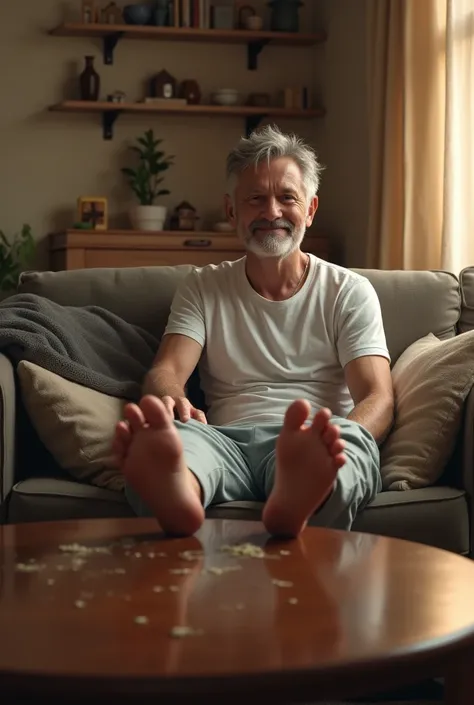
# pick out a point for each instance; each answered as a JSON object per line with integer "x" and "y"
{"x": 283, "y": 340}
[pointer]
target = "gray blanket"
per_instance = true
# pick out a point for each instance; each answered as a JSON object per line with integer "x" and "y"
{"x": 88, "y": 345}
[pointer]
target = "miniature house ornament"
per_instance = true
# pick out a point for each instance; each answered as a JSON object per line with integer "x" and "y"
{"x": 184, "y": 217}
{"x": 164, "y": 85}
{"x": 111, "y": 14}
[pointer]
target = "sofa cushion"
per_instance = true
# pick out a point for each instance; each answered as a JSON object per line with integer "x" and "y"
{"x": 437, "y": 516}
{"x": 466, "y": 279}
{"x": 139, "y": 295}
{"x": 437, "y": 310}
{"x": 53, "y": 499}
{"x": 431, "y": 381}
{"x": 75, "y": 423}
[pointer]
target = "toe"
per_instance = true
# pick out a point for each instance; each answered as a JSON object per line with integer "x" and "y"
{"x": 337, "y": 447}
{"x": 331, "y": 434}
{"x": 321, "y": 420}
{"x": 340, "y": 460}
{"x": 296, "y": 414}
{"x": 123, "y": 432}
{"x": 134, "y": 416}
{"x": 154, "y": 411}
{"x": 122, "y": 439}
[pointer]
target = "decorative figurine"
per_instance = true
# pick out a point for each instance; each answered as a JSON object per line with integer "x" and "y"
{"x": 163, "y": 85}
{"x": 190, "y": 91}
{"x": 92, "y": 212}
{"x": 111, "y": 14}
{"x": 184, "y": 217}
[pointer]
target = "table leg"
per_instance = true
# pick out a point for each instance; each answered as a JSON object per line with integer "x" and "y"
{"x": 459, "y": 684}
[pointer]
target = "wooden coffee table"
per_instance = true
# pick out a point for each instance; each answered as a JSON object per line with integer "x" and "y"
{"x": 112, "y": 610}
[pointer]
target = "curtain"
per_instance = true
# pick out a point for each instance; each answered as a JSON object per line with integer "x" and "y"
{"x": 421, "y": 106}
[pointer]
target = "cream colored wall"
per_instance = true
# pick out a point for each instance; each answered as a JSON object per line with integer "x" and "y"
{"x": 49, "y": 159}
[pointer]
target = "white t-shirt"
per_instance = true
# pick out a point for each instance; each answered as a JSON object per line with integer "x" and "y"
{"x": 260, "y": 355}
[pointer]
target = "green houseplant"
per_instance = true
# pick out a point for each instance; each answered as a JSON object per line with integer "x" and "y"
{"x": 16, "y": 255}
{"x": 145, "y": 181}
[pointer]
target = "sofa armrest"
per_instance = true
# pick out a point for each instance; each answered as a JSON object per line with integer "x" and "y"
{"x": 467, "y": 476}
{"x": 7, "y": 430}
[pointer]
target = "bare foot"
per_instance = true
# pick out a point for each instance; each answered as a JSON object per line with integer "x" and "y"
{"x": 307, "y": 461}
{"x": 150, "y": 454}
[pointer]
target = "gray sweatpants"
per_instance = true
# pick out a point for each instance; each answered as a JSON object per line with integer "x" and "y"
{"x": 238, "y": 463}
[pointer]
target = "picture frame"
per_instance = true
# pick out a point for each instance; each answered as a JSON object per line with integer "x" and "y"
{"x": 93, "y": 210}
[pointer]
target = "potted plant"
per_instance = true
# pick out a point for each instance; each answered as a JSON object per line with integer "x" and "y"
{"x": 145, "y": 181}
{"x": 15, "y": 256}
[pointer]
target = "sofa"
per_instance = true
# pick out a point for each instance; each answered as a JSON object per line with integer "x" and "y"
{"x": 34, "y": 488}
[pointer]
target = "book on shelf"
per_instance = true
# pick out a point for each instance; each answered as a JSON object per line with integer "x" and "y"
{"x": 191, "y": 13}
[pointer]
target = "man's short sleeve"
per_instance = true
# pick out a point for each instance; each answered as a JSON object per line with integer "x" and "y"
{"x": 187, "y": 311}
{"x": 359, "y": 324}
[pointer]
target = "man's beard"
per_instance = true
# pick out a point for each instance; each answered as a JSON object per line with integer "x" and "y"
{"x": 270, "y": 244}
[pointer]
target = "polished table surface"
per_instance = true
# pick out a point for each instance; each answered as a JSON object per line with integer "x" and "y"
{"x": 113, "y": 607}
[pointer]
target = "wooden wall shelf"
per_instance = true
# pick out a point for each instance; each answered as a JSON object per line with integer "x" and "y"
{"x": 252, "y": 115}
{"x": 255, "y": 41}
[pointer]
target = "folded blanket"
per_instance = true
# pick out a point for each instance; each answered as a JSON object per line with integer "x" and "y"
{"x": 88, "y": 345}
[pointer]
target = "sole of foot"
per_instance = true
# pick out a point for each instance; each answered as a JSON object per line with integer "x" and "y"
{"x": 308, "y": 457}
{"x": 152, "y": 462}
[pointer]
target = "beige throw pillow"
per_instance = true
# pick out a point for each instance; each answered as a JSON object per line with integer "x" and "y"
{"x": 75, "y": 423}
{"x": 431, "y": 379}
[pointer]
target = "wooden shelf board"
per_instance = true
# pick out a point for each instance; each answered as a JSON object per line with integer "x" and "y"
{"x": 221, "y": 36}
{"x": 78, "y": 106}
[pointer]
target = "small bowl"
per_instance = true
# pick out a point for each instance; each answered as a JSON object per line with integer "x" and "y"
{"x": 140, "y": 14}
{"x": 226, "y": 96}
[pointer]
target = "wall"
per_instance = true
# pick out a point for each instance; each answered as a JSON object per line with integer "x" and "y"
{"x": 49, "y": 159}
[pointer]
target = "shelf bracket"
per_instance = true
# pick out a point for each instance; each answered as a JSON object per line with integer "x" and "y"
{"x": 252, "y": 122}
{"x": 253, "y": 50}
{"x": 110, "y": 42}
{"x": 108, "y": 121}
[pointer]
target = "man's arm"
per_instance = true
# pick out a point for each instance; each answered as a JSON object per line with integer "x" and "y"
{"x": 370, "y": 384}
{"x": 174, "y": 363}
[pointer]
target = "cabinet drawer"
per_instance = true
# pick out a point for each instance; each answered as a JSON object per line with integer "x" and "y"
{"x": 156, "y": 258}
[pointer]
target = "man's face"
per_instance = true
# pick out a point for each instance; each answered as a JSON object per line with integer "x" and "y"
{"x": 270, "y": 210}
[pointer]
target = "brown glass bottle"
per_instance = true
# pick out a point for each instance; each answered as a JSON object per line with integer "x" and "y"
{"x": 89, "y": 81}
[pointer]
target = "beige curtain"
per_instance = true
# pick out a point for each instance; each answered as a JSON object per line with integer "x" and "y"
{"x": 421, "y": 98}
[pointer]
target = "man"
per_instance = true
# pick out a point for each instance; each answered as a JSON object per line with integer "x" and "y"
{"x": 283, "y": 341}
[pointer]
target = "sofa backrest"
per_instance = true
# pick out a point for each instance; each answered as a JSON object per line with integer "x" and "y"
{"x": 414, "y": 303}
{"x": 139, "y": 295}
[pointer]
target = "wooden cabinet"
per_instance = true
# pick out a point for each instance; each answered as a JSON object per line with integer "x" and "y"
{"x": 79, "y": 249}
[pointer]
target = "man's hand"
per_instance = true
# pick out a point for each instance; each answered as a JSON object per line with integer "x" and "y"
{"x": 183, "y": 408}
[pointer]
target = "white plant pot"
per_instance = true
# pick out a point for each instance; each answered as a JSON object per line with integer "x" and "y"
{"x": 148, "y": 217}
